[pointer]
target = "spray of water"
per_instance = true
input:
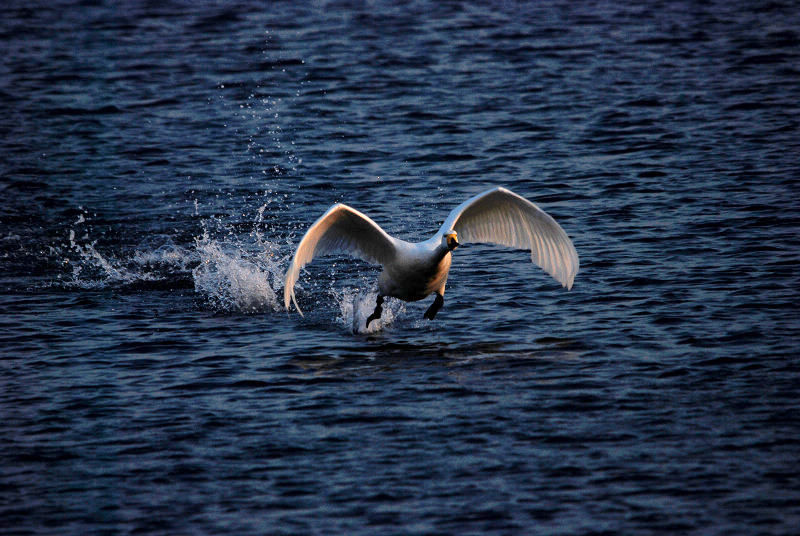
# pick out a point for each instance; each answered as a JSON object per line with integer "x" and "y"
{"x": 229, "y": 273}
{"x": 229, "y": 280}
{"x": 91, "y": 269}
{"x": 356, "y": 305}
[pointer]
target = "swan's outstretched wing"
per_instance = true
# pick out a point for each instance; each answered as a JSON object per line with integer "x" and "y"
{"x": 500, "y": 216}
{"x": 340, "y": 230}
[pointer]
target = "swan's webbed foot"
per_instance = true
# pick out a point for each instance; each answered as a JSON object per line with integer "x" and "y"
{"x": 376, "y": 314}
{"x": 430, "y": 314}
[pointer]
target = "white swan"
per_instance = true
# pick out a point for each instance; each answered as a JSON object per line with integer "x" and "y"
{"x": 413, "y": 271}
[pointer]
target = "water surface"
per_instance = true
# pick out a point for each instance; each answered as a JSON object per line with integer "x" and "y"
{"x": 160, "y": 161}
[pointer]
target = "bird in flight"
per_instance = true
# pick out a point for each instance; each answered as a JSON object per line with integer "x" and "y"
{"x": 413, "y": 271}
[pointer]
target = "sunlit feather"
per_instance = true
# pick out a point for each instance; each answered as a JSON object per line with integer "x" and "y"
{"x": 499, "y": 216}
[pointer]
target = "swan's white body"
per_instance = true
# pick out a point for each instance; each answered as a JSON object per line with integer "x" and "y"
{"x": 412, "y": 271}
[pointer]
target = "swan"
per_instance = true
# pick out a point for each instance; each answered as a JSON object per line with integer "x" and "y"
{"x": 413, "y": 271}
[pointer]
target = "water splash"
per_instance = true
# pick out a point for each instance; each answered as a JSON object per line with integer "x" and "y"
{"x": 228, "y": 272}
{"x": 231, "y": 279}
{"x": 92, "y": 269}
{"x": 356, "y": 305}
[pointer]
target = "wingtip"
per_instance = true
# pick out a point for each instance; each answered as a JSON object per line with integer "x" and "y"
{"x": 288, "y": 288}
{"x": 288, "y": 299}
{"x": 570, "y": 281}
{"x": 294, "y": 300}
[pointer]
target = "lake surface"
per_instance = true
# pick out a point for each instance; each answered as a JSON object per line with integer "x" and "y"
{"x": 160, "y": 161}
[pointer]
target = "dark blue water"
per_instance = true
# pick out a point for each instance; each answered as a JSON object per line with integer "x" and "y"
{"x": 159, "y": 162}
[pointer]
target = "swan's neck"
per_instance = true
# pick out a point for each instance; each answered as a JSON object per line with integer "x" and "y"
{"x": 441, "y": 252}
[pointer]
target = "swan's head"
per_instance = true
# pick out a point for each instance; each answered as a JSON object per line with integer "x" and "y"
{"x": 450, "y": 240}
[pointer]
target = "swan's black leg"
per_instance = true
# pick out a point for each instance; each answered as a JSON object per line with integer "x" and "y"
{"x": 435, "y": 306}
{"x": 376, "y": 314}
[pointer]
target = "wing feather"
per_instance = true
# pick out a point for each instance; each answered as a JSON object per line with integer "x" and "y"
{"x": 341, "y": 229}
{"x": 499, "y": 216}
